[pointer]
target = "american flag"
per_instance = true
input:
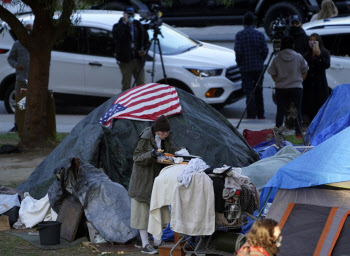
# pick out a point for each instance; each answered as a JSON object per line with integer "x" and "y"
{"x": 144, "y": 103}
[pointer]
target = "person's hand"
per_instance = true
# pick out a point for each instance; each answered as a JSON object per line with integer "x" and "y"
{"x": 141, "y": 53}
{"x": 156, "y": 153}
{"x": 316, "y": 49}
{"x": 125, "y": 17}
{"x": 19, "y": 67}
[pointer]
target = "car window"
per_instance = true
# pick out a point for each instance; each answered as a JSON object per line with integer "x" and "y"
{"x": 100, "y": 42}
{"x": 172, "y": 42}
{"x": 337, "y": 44}
{"x": 72, "y": 42}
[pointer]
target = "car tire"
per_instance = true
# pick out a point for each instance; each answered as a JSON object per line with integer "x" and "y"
{"x": 10, "y": 98}
{"x": 279, "y": 10}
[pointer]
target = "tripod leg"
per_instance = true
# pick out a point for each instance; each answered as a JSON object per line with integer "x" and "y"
{"x": 256, "y": 84}
{"x": 162, "y": 62}
{"x": 142, "y": 63}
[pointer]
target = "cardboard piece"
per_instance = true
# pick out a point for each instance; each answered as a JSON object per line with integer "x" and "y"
{"x": 4, "y": 223}
{"x": 70, "y": 216}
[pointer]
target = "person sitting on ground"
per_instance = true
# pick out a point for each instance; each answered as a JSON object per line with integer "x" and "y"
{"x": 288, "y": 69}
{"x": 328, "y": 10}
{"x": 263, "y": 239}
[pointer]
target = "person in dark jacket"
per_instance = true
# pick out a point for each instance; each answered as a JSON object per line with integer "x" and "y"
{"x": 131, "y": 42}
{"x": 251, "y": 52}
{"x": 296, "y": 31}
{"x": 145, "y": 170}
{"x": 316, "y": 89}
{"x": 264, "y": 238}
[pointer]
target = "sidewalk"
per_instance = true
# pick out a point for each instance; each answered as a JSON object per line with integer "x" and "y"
{"x": 65, "y": 123}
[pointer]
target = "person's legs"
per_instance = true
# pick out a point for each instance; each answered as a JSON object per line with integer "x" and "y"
{"x": 18, "y": 86}
{"x": 126, "y": 69}
{"x": 296, "y": 99}
{"x": 248, "y": 86}
{"x": 139, "y": 220}
{"x": 281, "y": 101}
{"x": 259, "y": 99}
{"x": 139, "y": 72}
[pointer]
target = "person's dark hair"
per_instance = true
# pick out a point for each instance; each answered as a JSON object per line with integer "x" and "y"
{"x": 287, "y": 42}
{"x": 161, "y": 124}
{"x": 319, "y": 39}
{"x": 249, "y": 19}
{"x": 261, "y": 233}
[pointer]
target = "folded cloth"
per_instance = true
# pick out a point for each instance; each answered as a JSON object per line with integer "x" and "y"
{"x": 162, "y": 193}
{"x": 192, "y": 208}
{"x": 195, "y": 165}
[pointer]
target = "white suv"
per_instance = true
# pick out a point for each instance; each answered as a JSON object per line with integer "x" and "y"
{"x": 335, "y": 33}
{"x": 83, "y": 64}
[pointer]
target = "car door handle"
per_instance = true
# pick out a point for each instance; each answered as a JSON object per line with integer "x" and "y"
{"x": 95, "y": 64}
{"x": 149, "y": 71}
{"x": 338, "y": 66}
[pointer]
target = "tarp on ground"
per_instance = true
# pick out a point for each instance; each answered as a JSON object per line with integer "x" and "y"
{"x": 263, "y": 170}
{"x": 333, "y": 116}
{"x": 200, "y": 128}
{"x": 106, "y": 204}
{"x": 327, "y": 163}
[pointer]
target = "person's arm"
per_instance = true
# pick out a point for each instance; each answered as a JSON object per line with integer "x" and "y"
{"x": 238, "y": 49}
{"x": 143, "y": 153}
{"x": 324, "y": 59}
{"x": 264, "y": 48}
{"x": 12, "y": 58}
{"x": 304, "y": 75}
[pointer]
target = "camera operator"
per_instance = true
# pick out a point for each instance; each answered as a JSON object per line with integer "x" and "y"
{"x": 251, "y": 52}
{"x": 301, "y": 40}
{"x": 131, "y": 41}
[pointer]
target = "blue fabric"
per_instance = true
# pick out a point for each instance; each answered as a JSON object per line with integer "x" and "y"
{"x": 168, "y": 234}
{"x": 326, "y": 163}
{"x": 251, "y": 49}
{"x": 265, "y": 148}
{"x": 333, "y": 117}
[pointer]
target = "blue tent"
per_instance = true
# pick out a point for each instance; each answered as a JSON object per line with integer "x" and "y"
{"x": 327, "y": 163}
{"x": 333, "y": 116}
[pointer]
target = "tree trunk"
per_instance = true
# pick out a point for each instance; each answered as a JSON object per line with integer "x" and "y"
{"x": 35, "y": 131}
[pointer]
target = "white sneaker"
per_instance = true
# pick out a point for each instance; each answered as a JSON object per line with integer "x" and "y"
{"x": 148, "y": 249}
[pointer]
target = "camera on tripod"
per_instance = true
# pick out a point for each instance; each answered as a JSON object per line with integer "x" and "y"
{"x": 152, "y": 16}
{"x": 279, "y": 27}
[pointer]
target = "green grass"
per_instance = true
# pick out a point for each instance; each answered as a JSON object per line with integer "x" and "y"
{"x": 293, "y": 139}
{"x": 13, "y": 137}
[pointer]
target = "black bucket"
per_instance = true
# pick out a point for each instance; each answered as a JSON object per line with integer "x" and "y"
{"x": 49, "y": 232}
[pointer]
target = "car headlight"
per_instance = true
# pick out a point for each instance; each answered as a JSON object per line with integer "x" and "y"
{"x": 205, "y": 72}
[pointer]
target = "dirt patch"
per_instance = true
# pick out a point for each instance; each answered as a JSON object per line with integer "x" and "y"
{"x": 16, "y": 167}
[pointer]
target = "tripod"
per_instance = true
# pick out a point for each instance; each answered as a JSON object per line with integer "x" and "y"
{"x": 256, "y": 85}
{"x": 155, "y": 41}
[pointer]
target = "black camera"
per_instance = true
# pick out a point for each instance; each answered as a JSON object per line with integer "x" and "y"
{"x": 152, "y": 16}
{"x": 279, "y": 27}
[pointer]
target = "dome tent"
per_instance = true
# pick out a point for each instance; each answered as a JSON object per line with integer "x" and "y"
{"x": 199, "y": 128}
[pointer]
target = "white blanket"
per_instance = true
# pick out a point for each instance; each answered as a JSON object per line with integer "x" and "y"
{"x": 162, "y": 194}
{"x": 193, "y": 209}
{"x": 33, "y": 211}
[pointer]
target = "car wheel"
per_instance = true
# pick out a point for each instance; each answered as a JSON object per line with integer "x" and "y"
{"x": 279, "y": 10}
{"x": 10, "y": 98}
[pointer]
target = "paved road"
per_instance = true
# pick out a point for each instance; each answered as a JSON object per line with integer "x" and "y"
{"x": 219, "y": 35}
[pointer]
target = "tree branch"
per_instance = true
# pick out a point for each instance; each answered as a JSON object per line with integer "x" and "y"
{"x": 64, "y": 20}
{"x": 16, "y": 26}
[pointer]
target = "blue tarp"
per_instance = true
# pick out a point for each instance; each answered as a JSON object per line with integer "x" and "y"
{"x": 269, "y": 148}
{"x": 327, "y": 163}
{"x": 333, "y": 117}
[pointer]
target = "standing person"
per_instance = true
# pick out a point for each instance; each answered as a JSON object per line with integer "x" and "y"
{"x": 144, "y": 171}
{"x": 131, "y": 42}
{"x": 264, "y": 238}
{"x": 296, "y": 31}
{"x": 19, "y": 59}
{"x": 251, "y": 52}
{"x": 288, "y": 69}
{"x": 328, "y": 10}
{"x": 316, "y": 89}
